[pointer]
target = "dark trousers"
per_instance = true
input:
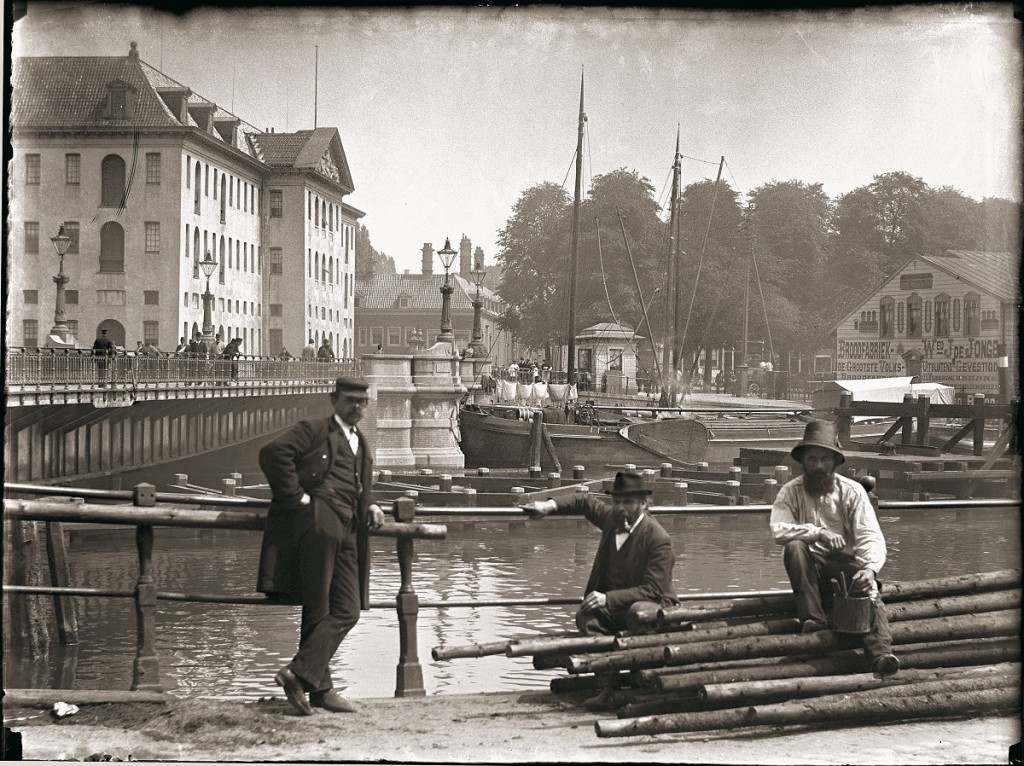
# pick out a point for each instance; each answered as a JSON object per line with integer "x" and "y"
{"x": 329, "y": 573}
{"x": 811, "y": 578}
{"x": 601, "y": 622}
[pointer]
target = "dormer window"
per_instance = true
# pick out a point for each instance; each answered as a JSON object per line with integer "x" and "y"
{"x": 119, "y": 101}
{"x": 403, "y": 302}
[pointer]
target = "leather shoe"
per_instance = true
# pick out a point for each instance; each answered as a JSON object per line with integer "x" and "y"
{"x": 293, "y": 690}
{"x": 332, "y": 702}
{"x": 813, "y": 626}
{"x": 886, "y": 665}
{"x": 603, "y": 700}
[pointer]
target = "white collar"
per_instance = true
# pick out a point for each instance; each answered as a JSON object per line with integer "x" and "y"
{"x": 345, "y": 427}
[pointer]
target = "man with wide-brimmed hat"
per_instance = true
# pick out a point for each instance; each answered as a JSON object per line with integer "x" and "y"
{"x": 632, "y": 569}
{"x": 316, "y": 541}
{"x": 830, "y": 532}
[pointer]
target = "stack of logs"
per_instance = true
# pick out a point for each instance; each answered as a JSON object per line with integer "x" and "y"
{"x": 739, "y": 663}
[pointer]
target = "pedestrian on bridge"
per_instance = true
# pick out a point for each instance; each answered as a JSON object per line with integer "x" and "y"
{"x": 316, "y": 540}
{"x": 102, "y": 349}
{"x": 309, "y": 350}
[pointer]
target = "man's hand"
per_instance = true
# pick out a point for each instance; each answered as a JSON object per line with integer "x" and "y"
{"x": 376, "y": 516}
{"x": 594, "y": 600}
{"x": 861, "y": 581}
{"x": 833, "y": 541}
{"x": 538, "y": 509}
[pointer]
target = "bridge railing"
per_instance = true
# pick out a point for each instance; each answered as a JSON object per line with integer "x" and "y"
{"x": 145, "y": 514}
{"x": 79, "y": 367}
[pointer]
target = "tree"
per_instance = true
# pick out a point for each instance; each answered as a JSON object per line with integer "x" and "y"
{"x": 368, "y": 260}
{"x": 999, "y": 224}
{"x": 951, "y": 221}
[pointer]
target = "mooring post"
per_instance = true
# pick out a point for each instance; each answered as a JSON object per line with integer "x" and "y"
{"x": 979, "y": 425}
{"x": 907, "y": 432}
{"x": 844, "y": 418}
{"x": 771, "y": 490}
{"x": 409, "y": 673}
{"x": 60, "y": 577}
{"x": 681, "y": 488}
{"x": 146, "y": 670}
{"x": 923, "y": 419}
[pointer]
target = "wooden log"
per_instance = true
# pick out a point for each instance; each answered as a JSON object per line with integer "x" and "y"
{"x": 564, "y": 645}
{"x": 950, "y": 654}
{"x": 1002, "y": 623}
{"x": 781, "y": 604}
{"x": 550, "y": 661}
{"x": 854, "y": 707}
{"x": 468, "y": 650}
{"x": 630, "y": 659}
{"x": 760, "y": 628}
{"x": 570, "y": 684}
{"x": 754, "y": 692}
{"x": 944, "y": 607}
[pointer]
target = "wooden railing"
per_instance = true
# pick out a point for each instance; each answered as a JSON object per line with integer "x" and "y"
{"x": 145, "y": 514}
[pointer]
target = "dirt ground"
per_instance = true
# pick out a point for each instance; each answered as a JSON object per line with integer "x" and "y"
{"x": 489, "y": 728}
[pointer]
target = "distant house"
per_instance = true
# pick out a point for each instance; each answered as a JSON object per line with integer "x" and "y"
{"x": 608, "y": 353}
{"x": 948, "y": 319}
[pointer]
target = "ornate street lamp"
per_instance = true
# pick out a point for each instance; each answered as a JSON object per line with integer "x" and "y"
{"x": 447, "y": 256}
{"x": 208, "y": 265}
{"x": 61, "y": 243}
{"x": 477, "y": 344}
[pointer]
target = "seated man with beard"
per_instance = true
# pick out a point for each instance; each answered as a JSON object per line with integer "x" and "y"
{"x": 829, "y": 528}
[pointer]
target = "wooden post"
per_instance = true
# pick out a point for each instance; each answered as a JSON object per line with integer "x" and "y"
{"x": 907, "y": 437}
{"x": 681, "y": 487}
{"x": 146, "y": 669}
{"x": 979, "y": 425}
{"x": 410, "y": 674}
{"x": 446, "y": 482}
{"x": 771, "y": 490}
{"x": 470, "y": 500}
{"x": 229, "y": 487}
{"x": 923, "y": 419}
{"x": 666, "y": 470}
{"x": 483, "y": 471}
{"x": 577, "y": 472}
{"x": 702, "y": 466}
{"x": 868, "y": 482}
{"x": 554, "y": 480}
{"x": 844, "y": 420}
{"x": 734, "y": 492}
{"x": 60, "y": 577}
{"x": 782, "y": 474}
{"x": 535, "y": 471}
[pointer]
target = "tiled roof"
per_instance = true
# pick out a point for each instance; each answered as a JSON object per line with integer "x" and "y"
{"x": 280, "y": 149}
{"x": 994, "y": 273}
{"x": 423, "y": 291}
{"x": 606, "y": 330}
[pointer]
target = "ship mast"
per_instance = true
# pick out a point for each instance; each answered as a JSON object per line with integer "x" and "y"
{"x": 574, "y": 254}
{"x": 671, "y": 277}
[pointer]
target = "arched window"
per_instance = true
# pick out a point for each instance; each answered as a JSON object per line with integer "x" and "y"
{"x": 972, "y": 304}
{"x": 186, "y": 241}
{"x": 316, "y": 214}
{"x": 316, "y": 266}
{"x": 112, "y": 247}
{"x": 231, "y": 261}
{"x": 927, "y": 316}
{"x": 956, "y": 315}
{"x": 914, "y": 316}
{"x": 887, "y": 311}
{"x": 198, "y": 196}
{"x": 215, "y": 183}
{"x": 941, "y": 315}
{"x": 223, "y": 198}
{"x": 220, "y": 265}
{"x": 901, "y": 311}
{"x": 323, "y": 215}
{"x": 196, "y": 255}
{"x": 112, "y": 183}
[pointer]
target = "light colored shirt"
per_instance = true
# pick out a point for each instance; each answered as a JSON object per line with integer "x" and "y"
{"x": 846, "y": 510}
{"x": 349, "y": 433}
{"x": 621, "y": 537}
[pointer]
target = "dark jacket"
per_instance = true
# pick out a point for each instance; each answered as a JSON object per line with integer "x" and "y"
{"x": 650, "y": 555}
{"x": 297, "y": 462}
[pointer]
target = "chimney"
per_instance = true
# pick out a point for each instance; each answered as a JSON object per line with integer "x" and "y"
{"x": 465, "y": 255}
{"x": 478, "y": 259}
{"x": 133, "y": 54}
{"x": 428, "y": 258}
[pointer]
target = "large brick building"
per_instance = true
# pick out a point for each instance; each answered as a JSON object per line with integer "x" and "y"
{"x": 148, "y": 177}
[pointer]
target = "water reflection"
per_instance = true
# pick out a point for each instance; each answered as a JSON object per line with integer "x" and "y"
{"x": 233, "y": 651}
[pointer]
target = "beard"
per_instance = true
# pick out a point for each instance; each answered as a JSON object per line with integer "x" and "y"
{"x": 819, "y": 483}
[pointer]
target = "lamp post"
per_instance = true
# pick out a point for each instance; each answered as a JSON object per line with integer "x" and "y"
{"x": 208, "y": 265}
{"x": 61, "y": 243}
{"x": 477, "y": 344}
{"x": 447, "y": 256}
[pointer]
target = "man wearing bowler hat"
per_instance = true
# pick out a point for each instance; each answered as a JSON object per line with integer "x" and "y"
{"x": 632, "y": 569}
{"x": 316, "y": 542}
{"x": 831, "y": 535}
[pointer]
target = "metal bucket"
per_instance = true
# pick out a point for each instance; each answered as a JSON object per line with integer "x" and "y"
{"x": 851, "y": 614}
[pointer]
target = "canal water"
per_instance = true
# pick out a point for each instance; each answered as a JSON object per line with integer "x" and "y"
{"x": 232, "y": 651}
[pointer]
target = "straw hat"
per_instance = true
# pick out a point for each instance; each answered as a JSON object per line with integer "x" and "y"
{"x": 819, "y": 433}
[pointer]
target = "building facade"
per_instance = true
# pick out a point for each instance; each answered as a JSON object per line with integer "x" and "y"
{"x": 148, "y": 178}
{"x": 949, "y": 319}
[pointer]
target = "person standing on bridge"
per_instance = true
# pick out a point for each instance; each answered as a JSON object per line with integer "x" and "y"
{"x": 309, "y": 350}
{"x": 102, "y": 349}
{"x": 830, "y": 532}
{"x": 316, "y": 540}
{"x": 632, "y": 569}
{"x": 326, "y": 353}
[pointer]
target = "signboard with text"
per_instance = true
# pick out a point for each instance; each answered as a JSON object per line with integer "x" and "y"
{"x": 965, "y": 363}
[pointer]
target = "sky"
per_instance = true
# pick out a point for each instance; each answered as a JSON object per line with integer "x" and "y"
{"x": 447, "y": 115}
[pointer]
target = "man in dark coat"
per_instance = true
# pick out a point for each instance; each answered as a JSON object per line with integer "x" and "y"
{"x": 102, "y": 349}
{"x": 316, "y": 542}
{"x": 632, "y": 569}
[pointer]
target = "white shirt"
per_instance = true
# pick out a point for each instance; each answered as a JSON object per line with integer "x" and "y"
{"x": 621, "y": 537}
{"x": 350, "y": 434}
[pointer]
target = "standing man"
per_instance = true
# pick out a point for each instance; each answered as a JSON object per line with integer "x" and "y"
{"x": 309, "y": 350}
{"x": 102, "y": 349}
{"x": 830, "y": 531}
{"x": 316, "y": 542}
{"x": 632, "y": 569}
{"x": 326, "y": 353}
{"x": 218, "y": 346}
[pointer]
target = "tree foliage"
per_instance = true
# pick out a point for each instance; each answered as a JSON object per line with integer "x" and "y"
{"x": 368, "y": 260}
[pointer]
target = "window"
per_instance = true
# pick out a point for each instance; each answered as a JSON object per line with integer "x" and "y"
{"x": 362, "y": 336}
{"x": 276, "y": 310}
{"x": 377, "y": 336}
{"x": 887, "y": 311}
{"x": 188, "y": 172}
{"x": 32, "y": 169}
{"x": 110, "y": 297}
{"x": 72, "y": 326}
{"x": 30, "y": 332}
{"x": 394, "y": 336}
{"x": 927, "y": 316}
{"x": 942, "y": 315}
{"x": 409, "y": 332}
{"x": 151, "y": 297}
{"x": 223, "y": 198}
{"x": 111, "y": 247}
{"x": 112, "y": 181}
{"x": 276, "y": 264}
{"x": 276, "y": 203}
{"x": 152, "y": 236}
{"x": 403, "y": 302}
{"x": 215, "y": 183}
{"x": 71, "y": 297}
{"x": 32, "y": 237}
{"x": 972, "y": 304}
{"x": 30, "y": 296}
{"x": 901, "y": 315}
{"x": 71, "y": 231}
{"x": 117, "y": 102}
{"x": 185, "y": 303}
{"x": 914, "y": 316}
{"x": 72, "y": 169}
{"x": 956, "y": 315}
{"x": 197, "y": 195}
{"x": 153, "y": 168}
{"x": 151, "y": 333}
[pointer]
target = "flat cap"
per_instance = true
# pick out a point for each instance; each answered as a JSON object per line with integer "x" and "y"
{"x": 355, "y": 388}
